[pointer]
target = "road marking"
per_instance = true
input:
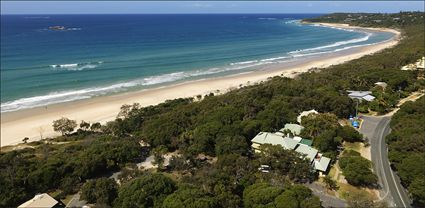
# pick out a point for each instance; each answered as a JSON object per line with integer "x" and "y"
{"x": 395, "y": 183}
{"x": 378, "y": 137}
{"x": 380, "y": 159}
{"x": 391, "y": 171}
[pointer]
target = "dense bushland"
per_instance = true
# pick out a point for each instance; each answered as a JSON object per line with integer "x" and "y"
{"x": 406, "y": 144}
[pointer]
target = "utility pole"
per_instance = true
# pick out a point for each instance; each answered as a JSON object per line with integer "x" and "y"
{"x": 357, "y": 107}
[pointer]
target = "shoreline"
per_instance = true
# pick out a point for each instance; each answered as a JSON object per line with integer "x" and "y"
{"x": 36, "y": 123}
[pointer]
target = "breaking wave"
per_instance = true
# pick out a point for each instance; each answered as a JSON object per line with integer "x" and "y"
{"x": 76, "y": 66}
{"x": 336, "y": 44}
{"x": 65, "y": 96}
{"x": 72, "y": 95}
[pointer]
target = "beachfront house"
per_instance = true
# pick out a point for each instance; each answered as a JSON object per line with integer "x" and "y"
{"x": 303, "y": 146}
{"x": 295, "y": 129}
{"x": 305, "y": 113}
{"x": 42, "y": 200}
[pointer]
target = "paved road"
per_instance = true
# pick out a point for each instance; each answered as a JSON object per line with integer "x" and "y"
{"x": 327, "y": 200}
{"x": 375, "y": 128}
{"x": 76, "y": 202}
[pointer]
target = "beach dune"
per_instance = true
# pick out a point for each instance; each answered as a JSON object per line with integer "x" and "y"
{"x": 36, "y": 123}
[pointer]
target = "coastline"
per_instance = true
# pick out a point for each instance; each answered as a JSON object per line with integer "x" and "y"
{"x": 37, "y": 122}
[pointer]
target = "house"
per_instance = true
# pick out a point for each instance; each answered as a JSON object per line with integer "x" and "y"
{"x": 305, "y": 113}
{"x": 321, "y": 163}
{"x": 295, "y": 129}
{"x": 361, "y": 95}
{"x": 296, "y": 143}
{"x": 273, "y": 139}
{"x": 42, "y": 201}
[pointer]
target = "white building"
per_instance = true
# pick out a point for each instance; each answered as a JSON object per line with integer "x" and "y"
{"x": 305, "y": 113}
{"x": 42, "y": 201}
{"x": 361, "y": 95}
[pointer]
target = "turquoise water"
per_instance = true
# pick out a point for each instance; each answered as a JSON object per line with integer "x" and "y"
{"x": 97, "y": 55}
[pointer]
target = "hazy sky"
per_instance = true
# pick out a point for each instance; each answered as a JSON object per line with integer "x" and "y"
{"x": 115, "y": 7}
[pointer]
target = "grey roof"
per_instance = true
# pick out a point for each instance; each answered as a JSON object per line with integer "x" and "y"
{"x": 322, "y": 164}
{"x": 369, "y": 98}
{"x": 365, "y": 95}
{"x": 267, "y": 138}
{"x": 309, "y": 152}
{"x": 289, "y": 143}
{"x": 274, "y": 139}
{"x": 358, "y": 94}
{"x": 294, "y": 128}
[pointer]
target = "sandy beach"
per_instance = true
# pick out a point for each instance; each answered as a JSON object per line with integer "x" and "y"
{"x": 36, "y": 123}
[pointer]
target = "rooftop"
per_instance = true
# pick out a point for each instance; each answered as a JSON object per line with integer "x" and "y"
{"x": 322, "y": 163}
{"x": 289, "y": 143}
{"x": 369, "y": 98}
{"x": 309, "y": 152}
{"x": 294, "y": 128}
{"x": 358, "y": 94}
{"x": 307, "y": 142}
{"x": 305, "y": 113}
{"x": 274, "y": 139}
{"x": 365, "y": 95}
{"x": 40, "y": 200}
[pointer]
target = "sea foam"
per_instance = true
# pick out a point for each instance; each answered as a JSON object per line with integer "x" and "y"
{"x": 76, "y": 66}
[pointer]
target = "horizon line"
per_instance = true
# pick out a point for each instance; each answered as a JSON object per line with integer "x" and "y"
{"x": 205, "y": 13}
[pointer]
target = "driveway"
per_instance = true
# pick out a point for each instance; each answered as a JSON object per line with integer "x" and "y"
{"x": 327, "y": 200}
{"x": 76, "y": 202}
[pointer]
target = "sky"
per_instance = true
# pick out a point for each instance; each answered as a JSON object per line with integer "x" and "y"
{"x": 180, "y": 7}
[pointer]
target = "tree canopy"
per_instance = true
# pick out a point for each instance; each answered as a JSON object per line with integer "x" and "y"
{"x": 149, "y": 190}
{"x": 406, "y": 144}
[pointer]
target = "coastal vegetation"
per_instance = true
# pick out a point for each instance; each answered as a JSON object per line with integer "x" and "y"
{"x": 221, "y": 127}
{"x": 357, "y": 169}
{"x": 406, "y": 144}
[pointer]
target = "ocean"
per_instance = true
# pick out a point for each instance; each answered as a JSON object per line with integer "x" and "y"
{"x": 96, "y": 55}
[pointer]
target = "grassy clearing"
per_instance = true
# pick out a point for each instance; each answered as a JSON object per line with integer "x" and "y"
{"x": 347, "y": 190}
{"x": 356, "y": 146}
{"x": 67, "y": 199}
